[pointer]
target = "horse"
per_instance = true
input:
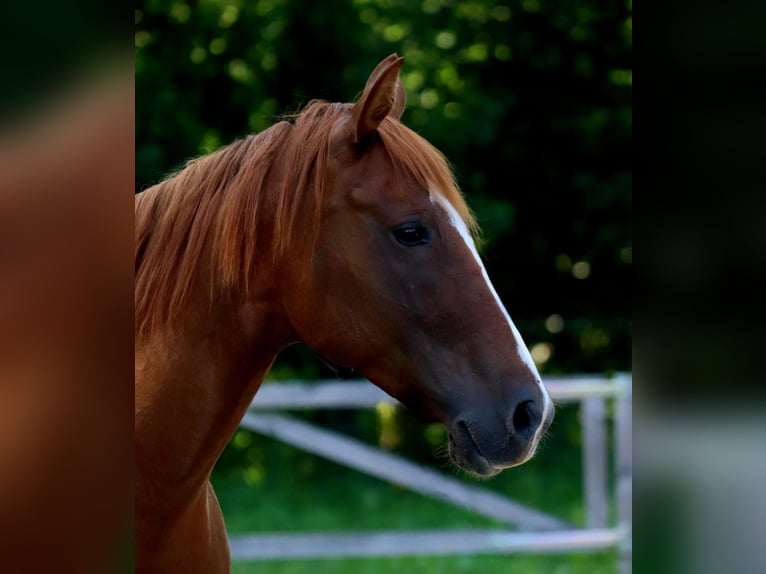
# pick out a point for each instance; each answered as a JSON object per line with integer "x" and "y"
{"x": 337, "y": 227}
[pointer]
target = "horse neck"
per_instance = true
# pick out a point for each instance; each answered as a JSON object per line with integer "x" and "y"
{"x": 194, "y": 384}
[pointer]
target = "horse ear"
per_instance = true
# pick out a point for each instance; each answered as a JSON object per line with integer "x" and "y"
{"x": 383, "y": 95}
{"x": 399, "y": 101}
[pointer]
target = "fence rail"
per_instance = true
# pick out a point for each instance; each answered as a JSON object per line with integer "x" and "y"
{"x": 540, "y": 532}
{"x": 418, "y": 543}
{"x": 359, "y": 394}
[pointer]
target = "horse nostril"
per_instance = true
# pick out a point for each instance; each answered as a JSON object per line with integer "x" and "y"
{"x": 525, "y": 420}
{"x": 521, "y": 417}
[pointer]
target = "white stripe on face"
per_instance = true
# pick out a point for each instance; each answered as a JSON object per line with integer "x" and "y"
{"x": 458, "y": 223}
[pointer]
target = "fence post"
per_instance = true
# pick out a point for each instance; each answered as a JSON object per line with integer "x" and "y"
{"x": 595, "y": 472}
{"x": 624, "y": 463}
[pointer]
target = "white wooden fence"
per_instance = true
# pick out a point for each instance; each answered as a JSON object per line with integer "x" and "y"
{"x": 535, "y": 531}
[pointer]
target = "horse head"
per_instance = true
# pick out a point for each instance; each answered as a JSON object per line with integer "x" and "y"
{"x": 391, "y": 285}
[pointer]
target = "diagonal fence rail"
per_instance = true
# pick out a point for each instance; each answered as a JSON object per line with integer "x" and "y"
{"x": 381, "y": 464}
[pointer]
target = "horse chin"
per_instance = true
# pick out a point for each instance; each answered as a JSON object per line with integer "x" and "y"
{"x": 466, "y": 454}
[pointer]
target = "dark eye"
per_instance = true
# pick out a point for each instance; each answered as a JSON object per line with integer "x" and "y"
{"x": 411, "y": 234}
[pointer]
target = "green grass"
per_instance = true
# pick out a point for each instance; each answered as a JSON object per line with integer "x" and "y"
{"x": 266, "y": 486}
{"x": 468, "y": 564}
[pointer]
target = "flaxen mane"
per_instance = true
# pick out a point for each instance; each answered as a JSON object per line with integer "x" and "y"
{"x": 217, "y": 202}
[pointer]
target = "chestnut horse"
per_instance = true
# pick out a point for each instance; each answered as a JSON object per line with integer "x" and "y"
{"x": 342, "y": 229}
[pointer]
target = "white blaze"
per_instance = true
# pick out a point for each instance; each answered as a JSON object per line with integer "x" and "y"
{"x": 458, "y": 223}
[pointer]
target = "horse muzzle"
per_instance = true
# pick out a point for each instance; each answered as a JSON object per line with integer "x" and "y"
{"x": 485, "y": 447}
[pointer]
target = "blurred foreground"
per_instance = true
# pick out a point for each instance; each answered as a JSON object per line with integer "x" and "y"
{"x": 66, "y": 327}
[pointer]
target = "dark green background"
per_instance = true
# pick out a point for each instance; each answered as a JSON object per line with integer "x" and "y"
{"x": 529, "y": 100}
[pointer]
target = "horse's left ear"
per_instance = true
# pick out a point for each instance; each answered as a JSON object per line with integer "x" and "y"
{"x": 383, "y": 96}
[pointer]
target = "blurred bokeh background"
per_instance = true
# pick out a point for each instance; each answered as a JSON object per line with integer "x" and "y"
{"x": 531, "y": 103}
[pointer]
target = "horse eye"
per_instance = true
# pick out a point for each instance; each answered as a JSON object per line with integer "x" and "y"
{"x": 411, "y": 234}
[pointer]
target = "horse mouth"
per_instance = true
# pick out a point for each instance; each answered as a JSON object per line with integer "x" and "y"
{"x": 466, "y": 454}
